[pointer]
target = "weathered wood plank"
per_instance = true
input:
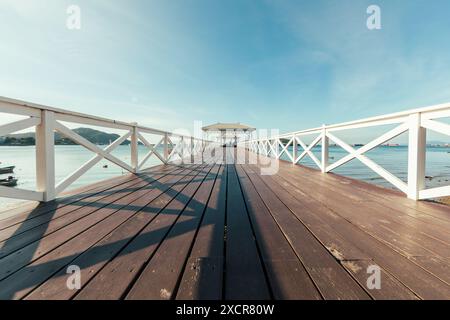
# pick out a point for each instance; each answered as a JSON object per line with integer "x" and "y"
{"x": 33, "y": 251}
{"x": 325, "y": 225}
{"x": 22, "y": 215}
{"x": 394, "y": 209}
{"x": 424, "y": 284}
{"x": 115, "y": 279}
{"x": 203, "y": 275}
{"x": 160, "y": 278}
{"x": 287, "y": 276}
{"x": 390, "y": 287}
{"x": 93, "y": 259}
{"x": 328, "y": 275}
{"x": 375, "y": 222}
{"x": 302, "y": 233}
{"x": 60, "y": 218}
{"x": 244, "y": 277}
{"x": 26, "y": 212}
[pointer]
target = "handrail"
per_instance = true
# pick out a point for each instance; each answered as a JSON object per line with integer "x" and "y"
{"x": 34, "y": 110}
{"x": 47, "y": 120}
{"x": 415, "y": 121}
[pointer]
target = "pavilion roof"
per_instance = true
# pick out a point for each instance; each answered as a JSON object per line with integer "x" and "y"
{"x": 228, "y": 126}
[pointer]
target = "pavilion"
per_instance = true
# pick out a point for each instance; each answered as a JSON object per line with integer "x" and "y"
{"x": 227, "y": 133}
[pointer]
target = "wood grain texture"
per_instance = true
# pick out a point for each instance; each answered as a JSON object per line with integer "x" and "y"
{"x": 221, "y": 230}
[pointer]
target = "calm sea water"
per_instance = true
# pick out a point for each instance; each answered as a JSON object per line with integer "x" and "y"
{"x": 394, "y": 159}
{"x": 70, "y": 158}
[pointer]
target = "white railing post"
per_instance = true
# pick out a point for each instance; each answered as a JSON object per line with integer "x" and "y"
{"x": 294, "y": 149}
{"x": 166, "y": 147}
{"x": 45, "y": 156}
{"x": 416, "y": 156}
{"x": 134, "y": 148}
{"x": 325, "y": 149}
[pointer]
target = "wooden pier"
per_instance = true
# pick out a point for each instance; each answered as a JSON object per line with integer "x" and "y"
{"x": 204, "y": 226}
{"x": 221, "y": 230}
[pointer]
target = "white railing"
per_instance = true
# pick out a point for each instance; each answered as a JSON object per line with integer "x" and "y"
{"x": 416, "y": 122}
{"x": 48, "y": 120}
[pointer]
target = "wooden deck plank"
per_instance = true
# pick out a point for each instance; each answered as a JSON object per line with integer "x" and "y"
{"x": 44, "y": 218}
{"x": 44, "y": 208}
{"x": 378, "y": 224}
{"x": 211, "y": 231}
{"x": 394, "y": 210}
{"x": 288, "y": 278}
{"x": 325, "y": 225}
{"x": 407, "y": 236}
{"x": 203, "y": 276}
{"x": 18, "y": 259}
{"x": 306, "y": 208}
{"x": 244, "y": 273}
{"x": 424, "y": 284}
{"x": 391, "y": 288}
{"x": 24, "y": 213}
{"x": 389, "y": 196}
{"x": 54, "y": 221}
{"x": 117, "y": 277}
{"x": 161, "y": 276}
{"x": 331, "y": 279}
{"x": 93, "y": 259}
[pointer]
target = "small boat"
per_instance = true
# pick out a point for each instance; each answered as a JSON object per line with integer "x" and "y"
{"x": 10, "y": 182}
{"x": 7, "y": 169}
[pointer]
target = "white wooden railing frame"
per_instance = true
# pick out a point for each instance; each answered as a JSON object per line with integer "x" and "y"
{"x": 47, "y": 120}
{"x": 416, "y": 122}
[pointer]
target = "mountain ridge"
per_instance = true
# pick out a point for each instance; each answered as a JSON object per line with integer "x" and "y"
{"x": 94, "y": 136}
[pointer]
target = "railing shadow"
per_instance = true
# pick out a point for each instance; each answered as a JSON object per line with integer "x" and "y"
{"x": 28, "y": 250}
{"x": 211, "y": 217}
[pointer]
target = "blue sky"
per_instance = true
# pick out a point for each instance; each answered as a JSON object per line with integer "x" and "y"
{"x": 272, "y": 64}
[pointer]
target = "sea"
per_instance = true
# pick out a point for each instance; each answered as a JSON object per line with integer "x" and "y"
{"x": 70, "y": 158}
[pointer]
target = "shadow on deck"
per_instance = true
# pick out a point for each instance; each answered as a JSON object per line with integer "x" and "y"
{"x": 224, "y": 231}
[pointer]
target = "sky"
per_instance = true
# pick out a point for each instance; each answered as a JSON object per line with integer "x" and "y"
{"x": 289, "y": 65}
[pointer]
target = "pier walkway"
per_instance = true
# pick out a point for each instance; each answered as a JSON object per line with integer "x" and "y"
{"x": 221, "y": 230}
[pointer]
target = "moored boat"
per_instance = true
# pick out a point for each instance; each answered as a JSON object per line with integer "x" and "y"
{"x": 7, "y": 169}
{"x": 10, "y": 182}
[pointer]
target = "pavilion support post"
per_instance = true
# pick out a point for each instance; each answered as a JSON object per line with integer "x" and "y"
{"x": 416, "y": 156}
{"x": 192, "y": 150}
{"x": 45, "y": 156}
{"x": 203, "y": 150}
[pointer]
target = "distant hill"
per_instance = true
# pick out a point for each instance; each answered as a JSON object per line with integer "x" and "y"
{"x": 94, "y": 136}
